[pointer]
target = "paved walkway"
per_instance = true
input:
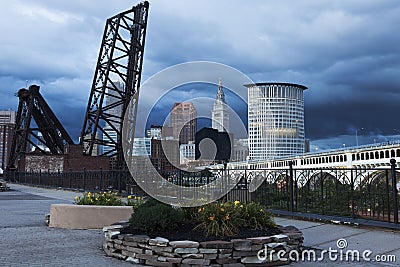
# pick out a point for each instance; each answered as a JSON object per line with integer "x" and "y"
{"x": 322, "y": 236}
{"x": 26, "y": 241}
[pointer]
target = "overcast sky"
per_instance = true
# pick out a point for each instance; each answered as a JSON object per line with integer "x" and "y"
{"x": 346, "y": 52}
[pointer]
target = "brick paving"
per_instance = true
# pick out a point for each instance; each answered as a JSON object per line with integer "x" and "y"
{"x": 25, "y": 240}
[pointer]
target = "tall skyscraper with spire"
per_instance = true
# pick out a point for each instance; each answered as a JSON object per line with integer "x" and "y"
{"x": 220, "y": 112}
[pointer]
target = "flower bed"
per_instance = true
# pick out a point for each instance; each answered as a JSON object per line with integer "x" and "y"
{"x": 219, "y": 233}
{"x": 93, "y": 211}
{"x": 159, "y": 251}
{"x": 108, "y": 199}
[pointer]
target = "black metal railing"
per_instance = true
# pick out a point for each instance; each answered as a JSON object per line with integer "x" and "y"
{"x": 72, "y": 180}
{"x": 369, "y": 193}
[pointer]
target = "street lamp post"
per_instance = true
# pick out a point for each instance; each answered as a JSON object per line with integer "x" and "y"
{"x": 357, "y": 135}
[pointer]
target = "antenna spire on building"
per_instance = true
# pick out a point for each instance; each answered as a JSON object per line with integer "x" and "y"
{"x": 220, "y": 92}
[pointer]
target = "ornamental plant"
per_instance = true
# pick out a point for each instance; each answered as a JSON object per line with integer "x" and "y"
{"x": 255, "y": 216}
{"x": 108, "y": 199}
{"x": 135, "y": 201}
{"x": 218, "y": 219}
{"x": 154, "y": 215}
{"x": 103, "y": 198}
{"x": 225, "y": 219}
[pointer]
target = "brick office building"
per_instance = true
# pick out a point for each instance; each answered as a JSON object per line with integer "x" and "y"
{"x": 183, "y": 122}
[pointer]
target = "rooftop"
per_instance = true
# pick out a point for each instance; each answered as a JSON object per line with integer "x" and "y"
{"x": 276, "y": 83}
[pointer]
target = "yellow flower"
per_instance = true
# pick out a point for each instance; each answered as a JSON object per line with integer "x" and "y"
{"x": 222, "y": 209}
{"x": 129, "y": 197}
{"x": 236, "y": 202}
{"x": 76, "y": 198}
{"x": 261, "y": 210}
{"x": 88, "y": 194}
{"x": 211, "y": 218}
{"x": 199, "y": 210}
{"x": 241, "y": 206}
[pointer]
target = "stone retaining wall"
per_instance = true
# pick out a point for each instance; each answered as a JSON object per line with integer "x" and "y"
{"x": 238, "y": 252}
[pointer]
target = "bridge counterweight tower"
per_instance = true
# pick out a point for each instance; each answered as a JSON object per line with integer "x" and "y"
{"x": 117, "y": 78}
{"x": 52, "y": 135}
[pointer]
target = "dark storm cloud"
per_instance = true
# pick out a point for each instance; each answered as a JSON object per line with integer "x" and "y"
{"x": 346, "y": 52}
{"x": 192, "y": 92}
{"x": 329, "y": 120}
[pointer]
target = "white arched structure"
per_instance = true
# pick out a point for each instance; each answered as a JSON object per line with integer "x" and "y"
{"x": 338, "y": 163}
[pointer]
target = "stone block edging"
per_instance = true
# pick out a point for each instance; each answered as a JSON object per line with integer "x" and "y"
{"x": 142, "y": 249}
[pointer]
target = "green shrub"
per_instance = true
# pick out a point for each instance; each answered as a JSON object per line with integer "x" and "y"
{"x": 218, "y": 219}
{"x": 108, "y": 199}
{"x": 135, "y": 202}
{"x": 151, "y": 202}
{"x": 255, "y": 216}
{"x": 189, "y": 214}
{"x": 154, "y": 216}
{"x": 102, "y": 198}
{"x": 214, "y": 219}
{"x": 225, "y": 219}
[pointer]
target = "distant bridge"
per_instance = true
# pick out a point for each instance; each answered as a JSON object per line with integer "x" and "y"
{"x": 358, "y": 182}
{"x": 368, "y": 156}
{"x": 356, "y": 166}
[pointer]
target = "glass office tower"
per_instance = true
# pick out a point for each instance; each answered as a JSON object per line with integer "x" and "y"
{"x": 275, "y": 120}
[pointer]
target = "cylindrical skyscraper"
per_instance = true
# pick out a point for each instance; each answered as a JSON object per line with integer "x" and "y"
{"x": 275, "y": 120}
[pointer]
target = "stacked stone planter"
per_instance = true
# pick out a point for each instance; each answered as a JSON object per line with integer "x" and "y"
{"x": 238, "y": 252}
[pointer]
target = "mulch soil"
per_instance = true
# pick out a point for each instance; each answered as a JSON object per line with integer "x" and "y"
{"x": 187, "y": 232}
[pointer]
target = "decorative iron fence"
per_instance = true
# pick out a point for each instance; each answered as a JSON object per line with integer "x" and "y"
{"x": 73, "y": 180}
{"x": 370, "y": 193}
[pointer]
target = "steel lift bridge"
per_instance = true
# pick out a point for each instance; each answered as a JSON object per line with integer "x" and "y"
{"x": 52, "y": 134}
{"x": 119, "y": 63}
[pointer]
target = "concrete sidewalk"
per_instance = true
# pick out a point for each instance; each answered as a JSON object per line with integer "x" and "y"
{"x": 66, "y": 196}
{"x": 318, "y": 236}
{"x": 25, "y": 240}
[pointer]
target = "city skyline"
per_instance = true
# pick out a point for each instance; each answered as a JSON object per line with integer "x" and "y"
{"x": 345, "y": 52}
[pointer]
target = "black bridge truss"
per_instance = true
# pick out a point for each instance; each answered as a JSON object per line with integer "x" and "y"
{"x": 52, "y": 135}
{"x": 115, "y": 84}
